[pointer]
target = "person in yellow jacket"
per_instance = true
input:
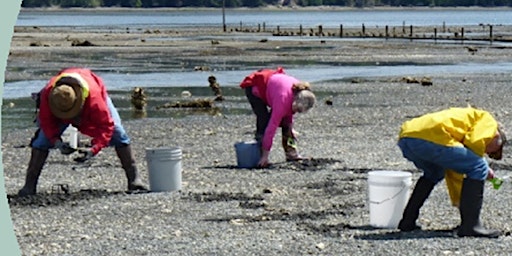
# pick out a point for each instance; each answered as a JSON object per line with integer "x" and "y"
{"x": 452, "y": 139}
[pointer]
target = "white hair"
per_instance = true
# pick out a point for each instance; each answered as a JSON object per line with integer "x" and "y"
{"x": 304, "y": 100}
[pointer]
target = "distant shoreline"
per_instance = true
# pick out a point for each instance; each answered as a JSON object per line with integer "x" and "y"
{"x": 267, "y": 8}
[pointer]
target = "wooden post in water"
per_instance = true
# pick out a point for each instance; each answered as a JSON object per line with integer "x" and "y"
{"x": 444, "y": 27}
{"x": 387, "y": 31}
{"x": 278, "y": 30}
{"x": 341, "y": 30}
{"x": 300, "y": 30}
{"x": 264, "y": 27}
{"x": 363, "y": 31}
{"x": 240, "y": 25}
{"x": 403, "y": 27}
{"x": 223, "y": 15}
{"x": 490, "y": 34}
{"x": 259, "y": 27}
{"x": 462, "y": 35}
{"x": 410, "y": 32}
{"x": 435, "y": 35}
{"x": 320, "y": 30}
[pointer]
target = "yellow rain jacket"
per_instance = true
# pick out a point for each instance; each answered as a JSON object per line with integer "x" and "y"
{"x": 454, "y": 181}
{"x": 454, "y": 127}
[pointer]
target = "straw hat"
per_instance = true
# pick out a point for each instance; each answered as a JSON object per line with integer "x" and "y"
{"x": 65, "y": 101}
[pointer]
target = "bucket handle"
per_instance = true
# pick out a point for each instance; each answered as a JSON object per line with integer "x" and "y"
{"x": 405, "y": 184}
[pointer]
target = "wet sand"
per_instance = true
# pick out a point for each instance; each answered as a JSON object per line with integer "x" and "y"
{"x": 38, "y": 52}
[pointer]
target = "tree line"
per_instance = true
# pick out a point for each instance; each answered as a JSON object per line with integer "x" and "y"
{"x": 260, "y": 3}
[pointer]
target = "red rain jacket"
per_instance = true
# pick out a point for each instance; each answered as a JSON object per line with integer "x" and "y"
{"x": 94, "y": 120}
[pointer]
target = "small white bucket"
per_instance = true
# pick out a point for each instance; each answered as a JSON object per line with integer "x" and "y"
{"x": 70, "y": 135}
{"x": 247, "y": 154}
{"x": 164, "y": 168}
{"x": 388, "y": 195}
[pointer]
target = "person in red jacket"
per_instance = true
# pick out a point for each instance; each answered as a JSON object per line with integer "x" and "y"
{"x": 78, "y": 97}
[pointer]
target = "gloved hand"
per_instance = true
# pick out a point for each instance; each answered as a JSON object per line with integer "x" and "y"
{"x": 64, "y": 147}
{"x": 86, "y": 155}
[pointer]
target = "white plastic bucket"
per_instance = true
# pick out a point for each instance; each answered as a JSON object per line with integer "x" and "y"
{"x": 70, "y": 135}
{"x": 164, "y": 168}
{"x": 247, "y": 154}
{"x": 388, "y": 195}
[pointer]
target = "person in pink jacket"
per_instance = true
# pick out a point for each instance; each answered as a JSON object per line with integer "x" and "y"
{"x": 78, "y": 97}
{"x": 275, "y": 97}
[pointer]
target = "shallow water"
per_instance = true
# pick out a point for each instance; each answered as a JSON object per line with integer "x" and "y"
{"x": 161, "y": 88}
{"x": 20, "y": 112}
{"x": 18, "y": 108}
{"x": 125, "y": 81}
{"x": 289, "y": 18}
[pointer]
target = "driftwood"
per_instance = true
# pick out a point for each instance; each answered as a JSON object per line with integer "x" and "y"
{"x": 425, "y": 81}
{"x": 215, "y": 88}
{"x": 81, "y": 43}
{"x": 139, "y": 99}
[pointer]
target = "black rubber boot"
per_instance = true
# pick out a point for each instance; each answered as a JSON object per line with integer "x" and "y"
{"x": 412, "y": 210}
{"x": 128, "y": 163}
{"x": 470, "y": 206}
{"x": 35, "y": 165}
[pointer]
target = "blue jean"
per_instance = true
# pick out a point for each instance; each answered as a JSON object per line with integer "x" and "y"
{"x": 434, "y": 159}
{"x": 119, "y": 137}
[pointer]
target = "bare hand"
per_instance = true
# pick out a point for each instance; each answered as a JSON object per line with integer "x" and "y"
{"x": 264, "y": 159}
{"x": 490, "y": 174}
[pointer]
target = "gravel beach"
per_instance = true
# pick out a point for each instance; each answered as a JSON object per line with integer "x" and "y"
{"x": 315, "y": 207}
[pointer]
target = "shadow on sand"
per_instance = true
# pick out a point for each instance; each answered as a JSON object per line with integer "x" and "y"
{"x": 61, "y": 195}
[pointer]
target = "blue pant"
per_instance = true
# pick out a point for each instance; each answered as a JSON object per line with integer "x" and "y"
{"x": 433, "y": 159}
{"x": 119, "y": 137}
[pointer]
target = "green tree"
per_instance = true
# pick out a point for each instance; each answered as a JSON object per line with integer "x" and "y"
{"x": 215, "y": 3}
{"x": 315, "y": 2}
{"x": 38, "y": 3}
{"x": 131, "y": 3}
{"x": 253, "y": 3}
{"x": 110, "y": 3}
{"x": 170, "y": 3}
{"x": 233, "y": 3}
{"x": 147, "y": 3}
{"x": 80, "y": 3}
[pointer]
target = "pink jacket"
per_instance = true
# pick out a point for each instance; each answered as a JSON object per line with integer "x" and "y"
{"x": 259, "y": 80}
{"x": 279, "y": 96}
{"x": 94, "y": 120}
